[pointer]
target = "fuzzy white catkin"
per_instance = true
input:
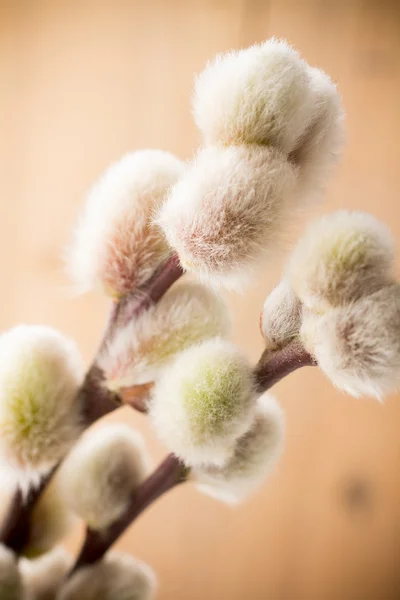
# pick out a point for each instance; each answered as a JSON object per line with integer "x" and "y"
{"x": 116, "y": 247}
{"x": 43, "y": 576}
{"x": 256, "y": 454}
{"x": 358, "y": 346}
{"x": 51, "y": 521}
{"x": 341, "y": 257}
{"x": 203, "y": 403}
{"x": 281, "y": 316}
{"x": 101, "y": 473}
{"x": 11, "y": 587}
{"x": 318, "y": 149}
{"x": 225, "y": 214}
{"x": 187, "y": 314}
{"x": 40, "y": 373}
{"x": 260, "y": 95}
{"x": 116, "y": 577}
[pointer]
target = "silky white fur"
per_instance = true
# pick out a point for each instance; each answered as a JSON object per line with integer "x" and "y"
{"x": 342, "y": 257}
{"x": 318, "y": 149}
{"x": 188, "y": 314}
{"x": 257, "y": 453}
{"x": 40, "y": 372}
{"x": 358, "y": 346}
{"x": 116, "y": 247}
{"x": 43, "y": 576}
{"x": 116, "y": 577}
{"x": 101, "y": 473}
{"x": 204, "y": 402}
{"x": 11, "y": 587}
{"x": 51, "y": 521}
{"x": 281, "y": 316}
{"x": 258, "y": 95}
{"x": 225, "y": 213}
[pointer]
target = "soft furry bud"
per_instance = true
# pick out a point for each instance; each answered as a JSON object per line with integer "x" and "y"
{"x": 358, "y": 346}
{"x": 11, "y": 587}
{"x": 256, "y": 454}
{"x": 260, "y": 95}
{"x": 188, "y": 314}
{"x": 341, "y": 258}
{"x": 224, "y": 215}
{"x": 281, "y": 316}
{"x": 50, "y": 522}
{"x": 116, "y": 577}
{"x": 40, "y": 372}
{"x": 204, "y": 402}
{"x": 318, "y": 150}
{"x": 116, "y": 246}
{"x": 43, "y": 576}
{"x": 102, "y": 472}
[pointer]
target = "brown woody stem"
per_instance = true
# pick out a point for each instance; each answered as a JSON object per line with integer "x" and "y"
{"x": 170, "y": 473}
{"x": 274, "y": 365}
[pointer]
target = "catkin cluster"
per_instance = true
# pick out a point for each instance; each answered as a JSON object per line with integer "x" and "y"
{"x": 272, "y": 129}
{"x": 340, "y": 297}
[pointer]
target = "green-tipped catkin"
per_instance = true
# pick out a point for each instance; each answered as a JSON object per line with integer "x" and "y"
{"x": 281, "y": 316}
{"x": 116, "y": 577}
{"x": 40, "y": 373}
{"x": 341, "y": 258}
{"x": 51, "y": 521}
{"x": 102, "y": 472}
{"x": 188, "y": 314}
{"x": 256, "y": 454}
{"x": 43, "y": 576}
{"x": 358, "y": 346}
{"x": 116, "y": 247}
{"x": 204, "y": 402}
{"x": 11, "y": 587}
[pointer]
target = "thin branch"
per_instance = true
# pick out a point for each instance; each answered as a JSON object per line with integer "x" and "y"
{"x": 170, "y": 473}
{"x": 275, "y": 365}
{"x": 95, "y": 399}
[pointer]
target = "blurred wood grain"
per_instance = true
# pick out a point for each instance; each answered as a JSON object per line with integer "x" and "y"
{"x": 82, "y": 82}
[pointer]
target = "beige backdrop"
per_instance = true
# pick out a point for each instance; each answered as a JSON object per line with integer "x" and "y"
{"x": 81, "y": 83}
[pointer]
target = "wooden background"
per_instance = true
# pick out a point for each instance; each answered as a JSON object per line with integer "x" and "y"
{"x": 82, "y": 82}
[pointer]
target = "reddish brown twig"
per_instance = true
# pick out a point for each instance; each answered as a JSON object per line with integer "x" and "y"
{"x": 275, "y": 365}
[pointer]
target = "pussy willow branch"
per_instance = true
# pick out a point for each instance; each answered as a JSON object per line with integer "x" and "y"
{"x": 170, "y": 473}
{"x": 271, "y": 368}
{"x": 95, "y": 399}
